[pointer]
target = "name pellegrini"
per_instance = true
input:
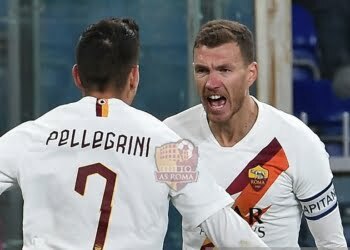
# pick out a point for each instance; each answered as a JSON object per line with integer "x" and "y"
{"x": 121, "y": 143}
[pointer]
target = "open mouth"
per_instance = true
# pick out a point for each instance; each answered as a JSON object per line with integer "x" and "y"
{"x": 216, "y": 101}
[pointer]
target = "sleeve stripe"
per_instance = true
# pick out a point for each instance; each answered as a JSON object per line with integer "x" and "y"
{"x": 324, "y": 214}
{"x": 318, "y": 194}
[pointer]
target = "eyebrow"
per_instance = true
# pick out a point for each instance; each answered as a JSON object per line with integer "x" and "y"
{"x": 225, "y": 65}
{"x": 196, "y": 65}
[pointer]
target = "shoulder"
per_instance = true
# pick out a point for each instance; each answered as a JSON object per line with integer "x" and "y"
{"x": 186, "y": 122}
{"x": 185, "y": 117}
{"x": 17, "y": 137}
{"x": 27, "y": 133}
{"x": 288, "y": 126}
{"x": 305, "y": 152}
{"x": 150, "y": 124}
{"x": 63, "y": 112}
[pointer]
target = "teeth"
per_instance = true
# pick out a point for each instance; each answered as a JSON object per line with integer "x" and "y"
{"x": 214, "y": 97}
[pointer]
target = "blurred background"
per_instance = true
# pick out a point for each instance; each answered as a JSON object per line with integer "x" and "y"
{"x": 303, "y": 51}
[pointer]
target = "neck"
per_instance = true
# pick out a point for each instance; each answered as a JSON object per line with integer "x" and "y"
{"x": 107, "y": 95}
{"x": 230, "y": 132}
{"x": 102, "y": 95}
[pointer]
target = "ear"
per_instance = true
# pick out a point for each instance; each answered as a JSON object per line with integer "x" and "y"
{"x": 76, "y": 77}
{"x": 132, "y": 84}
{"x": 252, "y": 73}
{"x": 134, "y": 78}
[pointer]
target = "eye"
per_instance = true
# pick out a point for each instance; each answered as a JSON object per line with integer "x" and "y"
{"x": 200, "y": 70}
{"x": 224, "y": 70}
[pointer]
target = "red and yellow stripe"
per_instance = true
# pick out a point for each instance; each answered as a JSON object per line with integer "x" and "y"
{"x": 271, "y": 158}
{"x": 102, "y": 107}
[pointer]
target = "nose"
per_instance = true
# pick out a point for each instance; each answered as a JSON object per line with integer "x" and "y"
{"x": 213, "y": 81}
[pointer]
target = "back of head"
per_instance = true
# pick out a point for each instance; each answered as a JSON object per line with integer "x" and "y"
{"x": 106, "y": 53}
{"x": 218, "y": 32}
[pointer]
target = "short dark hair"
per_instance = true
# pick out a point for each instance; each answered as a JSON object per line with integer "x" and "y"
{"x": 217, "y": 32}
{"x": 106, "y": 53}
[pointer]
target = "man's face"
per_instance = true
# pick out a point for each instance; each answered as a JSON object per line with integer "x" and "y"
{"x": 223, "y": 80}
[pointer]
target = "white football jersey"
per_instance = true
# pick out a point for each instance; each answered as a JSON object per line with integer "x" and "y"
{"x": 89, "y": 178}
{"x": 278, "y": 171}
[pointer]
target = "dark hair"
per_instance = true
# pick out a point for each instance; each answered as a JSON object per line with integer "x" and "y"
{"x": 217, "y": 32}
{"x": 106, "y": 53}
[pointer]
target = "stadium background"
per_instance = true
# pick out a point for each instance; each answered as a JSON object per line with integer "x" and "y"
{"x": 37, "y": 40}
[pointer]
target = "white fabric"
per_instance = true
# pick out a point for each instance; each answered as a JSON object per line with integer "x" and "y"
{"x": 45, "y": 157}
{"x": 328, "y": 231}
{"x": 277, "y": 163}
{"x": 225, "y": 222}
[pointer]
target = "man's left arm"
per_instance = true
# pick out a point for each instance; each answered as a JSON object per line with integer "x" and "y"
{"x": 328, "y": 231}
{"x": 10, "y": 154}
{"x": 316, "y": 193}
{"x": 323, "y": 218}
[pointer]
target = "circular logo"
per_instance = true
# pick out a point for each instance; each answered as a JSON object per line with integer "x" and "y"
{"x": 102, "y": 101}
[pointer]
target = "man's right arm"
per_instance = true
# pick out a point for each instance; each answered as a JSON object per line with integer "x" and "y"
{"x": 9, "y": 157}
{"x": 204, "y": 203}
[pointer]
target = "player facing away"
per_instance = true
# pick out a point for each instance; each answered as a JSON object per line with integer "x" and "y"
{"x": 272, "y": 164}
{"x": 98, "y": 174}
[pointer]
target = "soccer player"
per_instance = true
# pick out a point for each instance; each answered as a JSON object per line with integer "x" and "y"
{"x": 272, "y": 164}
{"x": 98, "y": 174}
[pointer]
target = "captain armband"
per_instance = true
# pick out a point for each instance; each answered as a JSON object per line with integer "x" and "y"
{"x": 320, "y": 204}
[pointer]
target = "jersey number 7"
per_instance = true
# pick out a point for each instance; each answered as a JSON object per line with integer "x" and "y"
{"x": 106, "y": 205}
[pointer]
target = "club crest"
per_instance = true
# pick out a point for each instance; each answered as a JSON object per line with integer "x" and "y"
{"x": 258, "y": 177}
